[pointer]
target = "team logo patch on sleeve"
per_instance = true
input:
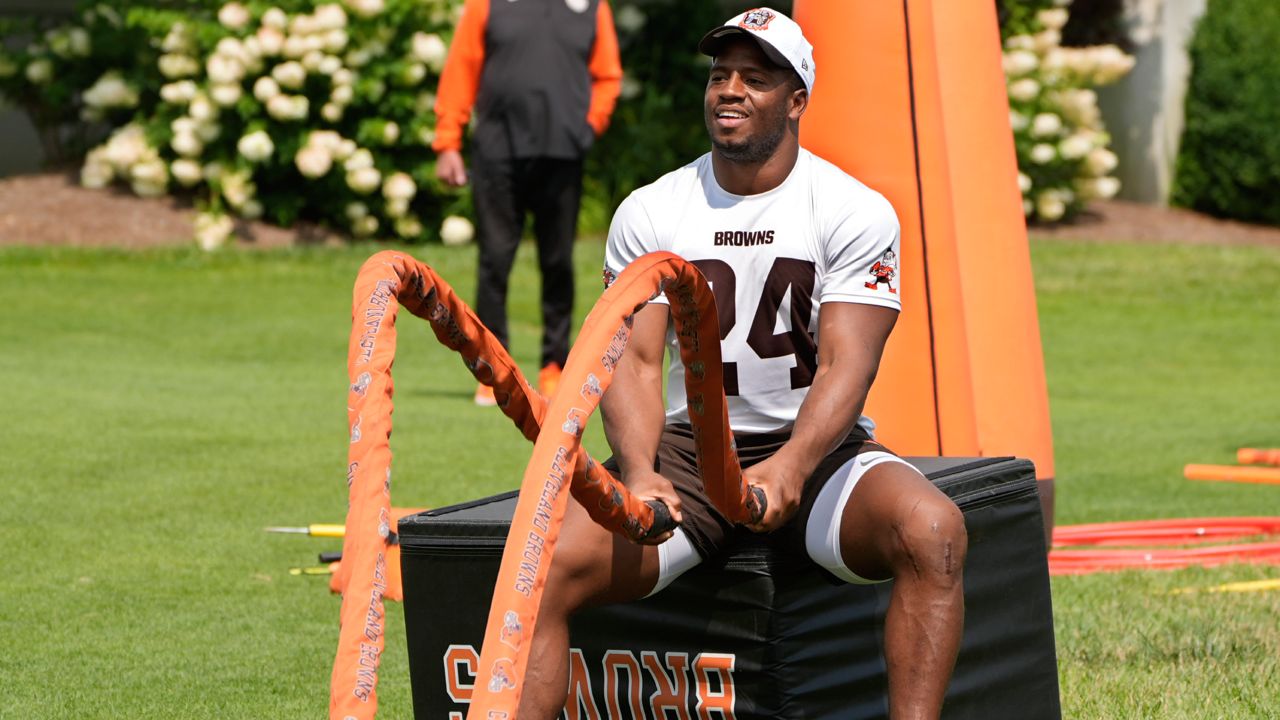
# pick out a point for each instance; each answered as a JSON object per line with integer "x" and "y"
{"x": 609, "y": 276}
{"x": 757, "y": 19}
{"x": 884, "y": 271}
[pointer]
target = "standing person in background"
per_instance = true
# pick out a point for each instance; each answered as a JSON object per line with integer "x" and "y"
{"x": 542, "y": 77}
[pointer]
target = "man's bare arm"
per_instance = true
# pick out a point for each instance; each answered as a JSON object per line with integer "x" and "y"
{"x": 633, "y": 409}
{"x": 851, "y": 341}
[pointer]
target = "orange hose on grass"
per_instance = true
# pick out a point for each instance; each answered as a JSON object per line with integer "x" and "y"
{"x": 1080, "y": 562}
{"x": 386, "y": 281}
{"x": 1258, "y": 456}
{"x": 1233, "y": 473}
{"x": 530, "y": 546}
{"x": 1173, "y": 531}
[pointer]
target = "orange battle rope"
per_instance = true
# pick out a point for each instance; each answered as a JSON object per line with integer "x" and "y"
{"x": 530, "y": 545}
{"x": 390, "y": 279}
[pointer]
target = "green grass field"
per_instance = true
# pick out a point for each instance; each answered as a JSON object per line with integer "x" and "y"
{"x": 160, "y": 408}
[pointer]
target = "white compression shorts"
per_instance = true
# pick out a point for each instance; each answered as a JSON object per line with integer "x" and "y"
{"x": 677, "y": 555}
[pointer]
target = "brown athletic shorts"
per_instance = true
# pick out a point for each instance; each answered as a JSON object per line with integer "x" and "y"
{"x": 706, "y": 527}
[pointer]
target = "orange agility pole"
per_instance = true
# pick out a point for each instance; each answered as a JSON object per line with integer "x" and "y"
{"x": 365, "y": 576}
{"x": 531, "y": 543}
{"x": 1258, "y": 456}
{"x": 1177, "y": 531}
{"x": 1233, "y": 473}
{"x": 911, "y": 99}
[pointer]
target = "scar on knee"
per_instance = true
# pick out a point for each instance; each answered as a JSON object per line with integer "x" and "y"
{"x": 946, "y": 558}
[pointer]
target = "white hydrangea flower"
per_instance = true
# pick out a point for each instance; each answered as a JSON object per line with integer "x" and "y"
{"x": 208, "y": 131}
{"x": 79, "y": 44}
{"x": 409, "y": 226}
{"x": 175, "y": 66}
{"x": 111, "y": 91}
{"x": 330, "y": 17}
{"x": 1046, "y": 39}
{"x": 1024, "y": 90}
{"x": 629, "y": 19}
{"x": 365, "y": 227}
{"x": 256, "y": 146}
{"x": 343, "y": 76}
{"x": 413, "y": 74}
{"x": 251, "y": 209}
{"x": 150, "y": 177}
{"x": 96, "y": 173}
{"x": 178, "y": 93}
{"x": 202, "y": 109}
{"x": 335, "y": 41}
{"x": 288, "y": 108}
{"x": 178, "y": 40}
{"x": 1018, "y": 121}
{"x": 1043, "y": 153}
{"x": 187, "y": 144}
{"x": 1049, "y": 206}
{"x": 399, "y": 186}
{"x": 270, "y": 41}
{"x": 311, "y": 61}
{"x": 1046, "y": 125}
{"x": 364, "y": 180}
{"x": 630, "y": 89}
{"x": 359, "y": 159}
{"x": 356, "y": 210}
{"x": 290, "y": 75}
{"x": 331, "y": 112}
{"x": 237, "y": 187}
{"x": 1053, "y": 18}
{"x": 429, "y": 48}
{"x": 1101, "y": 161}
{"x": 1024, "y": 183}
{"x": 329, "y": 65}
{"x": 344, "y": 149}
{"x": 295, "y": 46}
{"x": 1106, "y": 187}
{"x": 456, "y": 230}
{"x": 1075, "y": 146}
{"x": 342, "y": 94}
{"x": 427, "y": 135}
{"x": 186, "y": 171}
{"x": 1020, "y": 62}
{"x": 213, "y": 230}
{"x": 226, "y": 95}
{"x": 275, "y": 18}
{"x": 1020, "y": 42}
{"x": 39, "y": 71}
{"x": 234, "y": 16}
{"x": 390, "y": 133}
{"x": 396, "y": 208}
{"x": 313, "y": 161}
{"x": 265, "y": 88}
{"x": 366, "y": 8}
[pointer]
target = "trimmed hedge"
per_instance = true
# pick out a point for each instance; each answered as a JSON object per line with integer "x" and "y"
{"x": 1229, "y": 162}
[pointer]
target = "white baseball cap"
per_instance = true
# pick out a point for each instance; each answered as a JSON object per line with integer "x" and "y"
{"x": 778, "y": 36}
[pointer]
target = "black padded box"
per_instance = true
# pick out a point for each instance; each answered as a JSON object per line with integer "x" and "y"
{"x": 767, "y": 636}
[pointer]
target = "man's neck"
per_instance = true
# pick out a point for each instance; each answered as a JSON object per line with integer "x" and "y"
{"x": 754, "y": 178}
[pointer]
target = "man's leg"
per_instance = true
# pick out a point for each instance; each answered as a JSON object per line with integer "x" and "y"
{"x": 591, "y": 566}
{"x": 896, "y": 523}
{"x": 499, "y": 224}
{"x": 555, "y": 196}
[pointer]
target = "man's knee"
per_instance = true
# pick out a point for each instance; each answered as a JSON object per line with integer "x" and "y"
{"x": 931, "y": 540}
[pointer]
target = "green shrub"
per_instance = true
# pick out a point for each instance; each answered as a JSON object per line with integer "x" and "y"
{"x": 1229, "y": 161}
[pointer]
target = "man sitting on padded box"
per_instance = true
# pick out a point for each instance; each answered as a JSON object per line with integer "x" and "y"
{"x": 788, "y": 241}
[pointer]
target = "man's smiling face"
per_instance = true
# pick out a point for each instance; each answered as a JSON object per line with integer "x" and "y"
{"x": 747, "y": 102}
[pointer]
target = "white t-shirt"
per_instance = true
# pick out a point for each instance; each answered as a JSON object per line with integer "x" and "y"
{"x": 771, "y": 259}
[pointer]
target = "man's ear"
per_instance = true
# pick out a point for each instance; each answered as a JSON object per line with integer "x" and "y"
{"x": 798, "y": 103}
